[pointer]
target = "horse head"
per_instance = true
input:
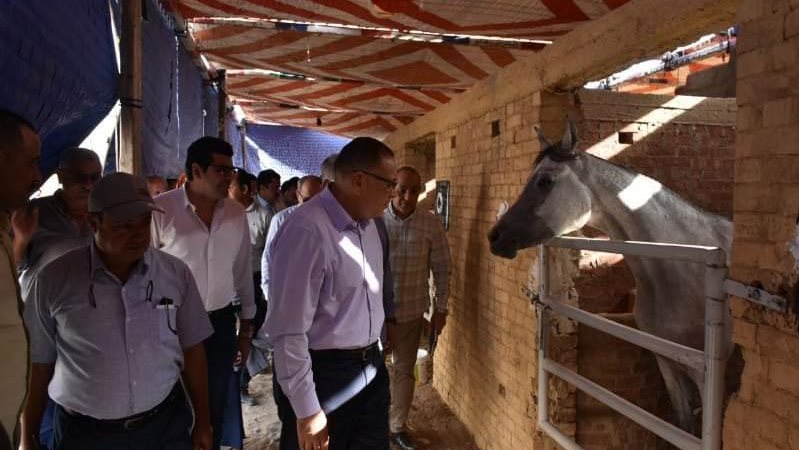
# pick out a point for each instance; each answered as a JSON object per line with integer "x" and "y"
{"x": 553, "y": 202}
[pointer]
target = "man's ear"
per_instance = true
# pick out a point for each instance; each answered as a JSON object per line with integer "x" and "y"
{"x": 196, "y": 170}
{"x": 94, "y": 221}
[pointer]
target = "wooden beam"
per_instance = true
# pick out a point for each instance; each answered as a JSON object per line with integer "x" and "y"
{"x": 638, "y": 30}
{"x": 130, "y": 87}
{"x": 221, "y": 86}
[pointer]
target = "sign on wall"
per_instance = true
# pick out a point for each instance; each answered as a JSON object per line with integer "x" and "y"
{"x": 442, "y": 202}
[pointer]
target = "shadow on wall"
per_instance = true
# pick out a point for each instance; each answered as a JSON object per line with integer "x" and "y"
{"x": 290, "y": 151}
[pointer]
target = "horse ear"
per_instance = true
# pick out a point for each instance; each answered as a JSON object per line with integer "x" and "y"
{"x": 542, "y": 139}
{"x": 569, "y": 141}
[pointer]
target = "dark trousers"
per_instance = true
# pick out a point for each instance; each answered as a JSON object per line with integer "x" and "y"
{"x": 168, "y": 429}
{"x": 354, "y": 394}
{"x": 220, "y": 350}
{"x": 257, "y": 322}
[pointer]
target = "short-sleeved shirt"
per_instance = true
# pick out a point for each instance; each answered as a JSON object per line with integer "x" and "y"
{"x": 117, "y": 347}
{"x": 55, "y": 235}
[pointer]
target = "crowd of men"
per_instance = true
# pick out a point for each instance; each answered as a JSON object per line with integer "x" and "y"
{"x": 132, "y": 308}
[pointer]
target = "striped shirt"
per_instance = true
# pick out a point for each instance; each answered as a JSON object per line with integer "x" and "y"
{"x": 418, "y": 246}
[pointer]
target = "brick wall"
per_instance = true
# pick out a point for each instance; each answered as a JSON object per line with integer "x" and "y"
{"x": 485, "y": 362}
{"x": 485, "y": 365}
{"x": 765, "y": 412}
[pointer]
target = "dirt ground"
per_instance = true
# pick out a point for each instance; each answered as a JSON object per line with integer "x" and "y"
{"x": 431, "y": 422}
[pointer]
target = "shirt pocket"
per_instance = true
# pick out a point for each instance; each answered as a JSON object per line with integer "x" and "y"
{"x": 166, "y": 302}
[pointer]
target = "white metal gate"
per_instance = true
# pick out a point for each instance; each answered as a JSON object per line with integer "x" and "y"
{"x": 711, "y": 362}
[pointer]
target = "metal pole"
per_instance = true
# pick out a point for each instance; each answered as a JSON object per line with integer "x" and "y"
{"x": 697, "y": 253}
{"x": 543, "y": 339}
{"x": 649, "y": 421}
{"x": 130, "y": 87}
{"x": 682, "y": 354}
{"x": 715, "y": 350}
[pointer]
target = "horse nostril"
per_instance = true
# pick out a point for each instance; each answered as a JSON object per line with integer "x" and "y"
{"x": 493, "y": 235}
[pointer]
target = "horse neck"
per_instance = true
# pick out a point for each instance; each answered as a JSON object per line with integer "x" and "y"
{"x": 664, "y": 217}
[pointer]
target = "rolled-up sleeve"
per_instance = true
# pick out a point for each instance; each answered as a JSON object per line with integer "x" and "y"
{"x": 41, "y": 325}
{"x": 294, "y": 297}
{"x": 242, "y": 273}
{"x": 192, "y": 320}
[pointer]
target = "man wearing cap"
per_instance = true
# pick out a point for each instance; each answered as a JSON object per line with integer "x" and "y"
{"x": 114, "y": 326}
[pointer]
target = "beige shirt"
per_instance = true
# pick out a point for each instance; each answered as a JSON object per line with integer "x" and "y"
{"x": 13, "y": 341}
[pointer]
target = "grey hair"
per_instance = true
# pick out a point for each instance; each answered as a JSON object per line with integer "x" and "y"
{"x": 73, "y": 156}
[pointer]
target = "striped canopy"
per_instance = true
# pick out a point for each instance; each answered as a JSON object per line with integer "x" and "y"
{"x": 366, "y": 67}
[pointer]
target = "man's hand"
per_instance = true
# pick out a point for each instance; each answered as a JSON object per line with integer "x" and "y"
{"x": 29, "y": 443}
{"x": 24, "y": 222}
{"x": 243, "y": 343}
{"x": 439, "y": 321}
{"x": 312, "y": 432}
{"x": 202, "y": 437}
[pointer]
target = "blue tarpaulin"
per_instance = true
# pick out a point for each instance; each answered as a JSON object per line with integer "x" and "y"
{"x": 173, "y": 98}
{"x": 58, "y": 69}
{"x": 290, "y": 151}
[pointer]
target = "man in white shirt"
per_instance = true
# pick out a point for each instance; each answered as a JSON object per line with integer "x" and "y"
{"x": 258, "y": 219}
{"x": 209, "y": 232}
{"x": 19, "y": 177}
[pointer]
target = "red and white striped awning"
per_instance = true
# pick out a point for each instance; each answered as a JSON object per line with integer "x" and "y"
{"x": 366, "y": 67}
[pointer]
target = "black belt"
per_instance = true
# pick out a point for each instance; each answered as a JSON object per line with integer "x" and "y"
{"x": 134, "y": 421}
{"x": 360, "y": 354}
{"x": 230, "y": 309}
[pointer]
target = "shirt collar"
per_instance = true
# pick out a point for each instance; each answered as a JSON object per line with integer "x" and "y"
{"x": 394, "y": 215}
{"x": 188, "y": 204}
{"x": 253, "y": 206}
{"x": 96, "y": 262}
{"x": 338, "y": 215}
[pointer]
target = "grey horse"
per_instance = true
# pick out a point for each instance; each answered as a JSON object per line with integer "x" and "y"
{"x": 569, "y": 189}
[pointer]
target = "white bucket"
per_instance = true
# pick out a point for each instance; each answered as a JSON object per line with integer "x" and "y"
{"x": 422, "y": 369}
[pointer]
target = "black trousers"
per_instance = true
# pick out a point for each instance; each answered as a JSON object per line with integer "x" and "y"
{"x": 354, "y": 394}
{"x": 169, "y": 429}
{"x": 220, "y": 349}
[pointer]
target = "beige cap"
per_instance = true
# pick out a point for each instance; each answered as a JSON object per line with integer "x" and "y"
{"x": 121, "y": 195}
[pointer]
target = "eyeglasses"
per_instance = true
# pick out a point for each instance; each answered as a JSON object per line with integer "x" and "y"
{"x": 390, "y": 184}
{"x": 224, "y": 170}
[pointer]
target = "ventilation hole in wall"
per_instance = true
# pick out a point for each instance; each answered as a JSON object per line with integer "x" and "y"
{"x": 495, "y": 128}
{"x": 452, "y": 142}
{"x": 626, "y": 137}
{"x": 501, "y": 390}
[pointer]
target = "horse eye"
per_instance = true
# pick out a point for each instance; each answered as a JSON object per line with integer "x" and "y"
{"x": 544, "y": 183}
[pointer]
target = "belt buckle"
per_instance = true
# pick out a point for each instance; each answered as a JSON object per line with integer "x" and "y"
{"x": 133, "y": 423}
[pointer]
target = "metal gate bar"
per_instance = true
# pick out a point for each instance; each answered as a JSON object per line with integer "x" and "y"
{"x": 711, "y": 362}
